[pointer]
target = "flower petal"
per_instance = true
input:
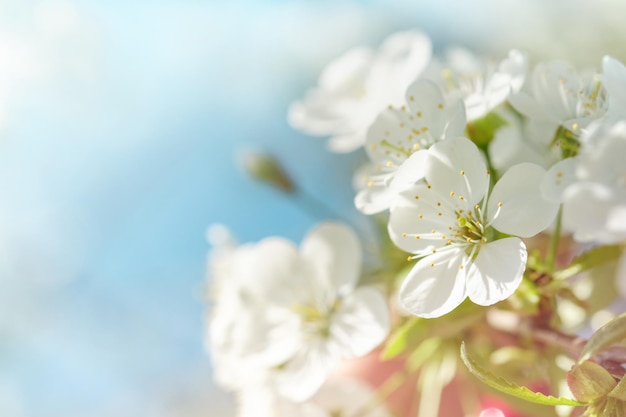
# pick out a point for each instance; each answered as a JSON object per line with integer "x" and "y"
{"x": 418, "y": 216}
{"x": 435, "y": 286}
{"x": 586, "y": 208}
{"x": 558, "y": 178}
{"x": 497, "y": 271}
{"x": 360, "y": 323}
{"x": 334, "y": 251}
{"x": 305, "y": 373}
{"x": 374, "y": 199}
{"x": 524, "y": 211}
{"x": 456, "y": 166}
{"x": 411, "y": 171}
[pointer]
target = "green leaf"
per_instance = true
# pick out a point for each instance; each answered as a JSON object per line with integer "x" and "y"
{"x": 402, "y": 338}
{"x": 510, "y": 388}
{"x": 416, "y": 330}
{"x": 611, "y": 333}
{"x": 592, "y": 258}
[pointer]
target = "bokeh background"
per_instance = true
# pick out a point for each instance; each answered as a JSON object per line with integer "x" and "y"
{"x": 121, "y": 123}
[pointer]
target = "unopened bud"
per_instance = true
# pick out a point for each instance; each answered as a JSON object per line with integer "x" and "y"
{"x": 589, "y": 381}
{"x": 266, "y": 168}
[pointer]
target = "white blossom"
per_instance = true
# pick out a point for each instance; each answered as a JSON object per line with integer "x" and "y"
{"x": 560, "y": 96}
{"x": 296, "y": 313}
{"x": 354, "y": 88}
{"x": 396, "y": 137}
{"x": 451, "y": 225}
{"x": 592, "y": 185}
{"x": 614, "y": 80}
{"x": 343, "y": 397}
{"x": 482, "y": 85}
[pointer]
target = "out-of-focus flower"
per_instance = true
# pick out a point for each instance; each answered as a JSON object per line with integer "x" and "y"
{"x": 451, "y": 223}
{"x": 561, "y": 97}
{"x": 294, "y": 314}
{"x": 395, "y": 139}
{"x": 482, "y": 85}
{"x": 354, "y": 88}
{"x": 522, "y": 141}
{"x": 592, "y": 186}
{"x": 614, "y": 80}
{"x": 343, "y": 397}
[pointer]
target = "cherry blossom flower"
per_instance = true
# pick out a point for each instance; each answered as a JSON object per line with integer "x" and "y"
{"x": 294, "y": 314}
{"x": 614, "y": 80}
{"x": 592, "y": 186}
{"x": 354, "y": 88}
{"x": 343, "y": 397}
{"x": 452, "y": 224}
{"x": 522, "y": 140}
{"x": 482, "y": 85}
{"x": 561, "y": 97}
{"x": 396, "y": 137}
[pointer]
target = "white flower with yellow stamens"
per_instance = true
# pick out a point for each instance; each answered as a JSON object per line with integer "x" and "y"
{"x": 614, "y": 80}
{"x": 295, "y": 313}
{"x": 354, "y": 88}
{"x": 561, "y": 97}
{"x": 396, "y": 142}
{"x": 454, "y": 224}
{"x": 482, "y": 85}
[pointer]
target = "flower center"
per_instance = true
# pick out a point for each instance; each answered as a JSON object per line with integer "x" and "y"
{"x": 315, "y": 321}
{"x": 470, "y": 230}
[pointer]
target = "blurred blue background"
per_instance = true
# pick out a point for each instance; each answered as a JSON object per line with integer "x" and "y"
{"x": 120, "y": 126}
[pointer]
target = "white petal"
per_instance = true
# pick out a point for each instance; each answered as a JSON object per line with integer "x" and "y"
{"x": 558, "y": 178}
{"x": 497, "y": 90}
{"x": 375, "y": 199}
{"x": 432, "y": 291}
{"x": 401, "y": 59}
{"x": 428, "y": 107}
{"x": 420, "y": 216}
{"x": 349, "y": 397}
{"x": 614, "y": 80}
{"x": 527, "y": 105}
{"x": 348, "y": 142}
{"x": 390, "y": 137}
{"x": 411, "y": 171}
{"x": 456, "y": 165}
{"x": 457, "y": 119}
{"x": 334, "y": 250}
{"x": 524, "y": 211}
{"x": 497, "y": 271}
{"x": 350, "y": 66}
{"x": 510, "y": 147}
{"x": 516, "y": 66}
{"x": 586, "y": 208}
{"x": 317, "y": 114}
{"x": 360, "y": 323}
{"x": 275, "y": 271}
{"x": 305, "y": 373}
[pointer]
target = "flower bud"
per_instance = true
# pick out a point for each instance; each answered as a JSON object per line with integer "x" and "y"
{"x": 589, "y": 381}
{"x": 266, "y": 168}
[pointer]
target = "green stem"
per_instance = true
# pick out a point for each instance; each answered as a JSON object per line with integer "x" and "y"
{"x": 391, "y": 385}
{"x": 554, "y": 243}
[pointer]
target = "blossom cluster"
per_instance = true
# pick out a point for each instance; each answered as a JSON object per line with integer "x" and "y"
{"x": 473, "y": 166}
